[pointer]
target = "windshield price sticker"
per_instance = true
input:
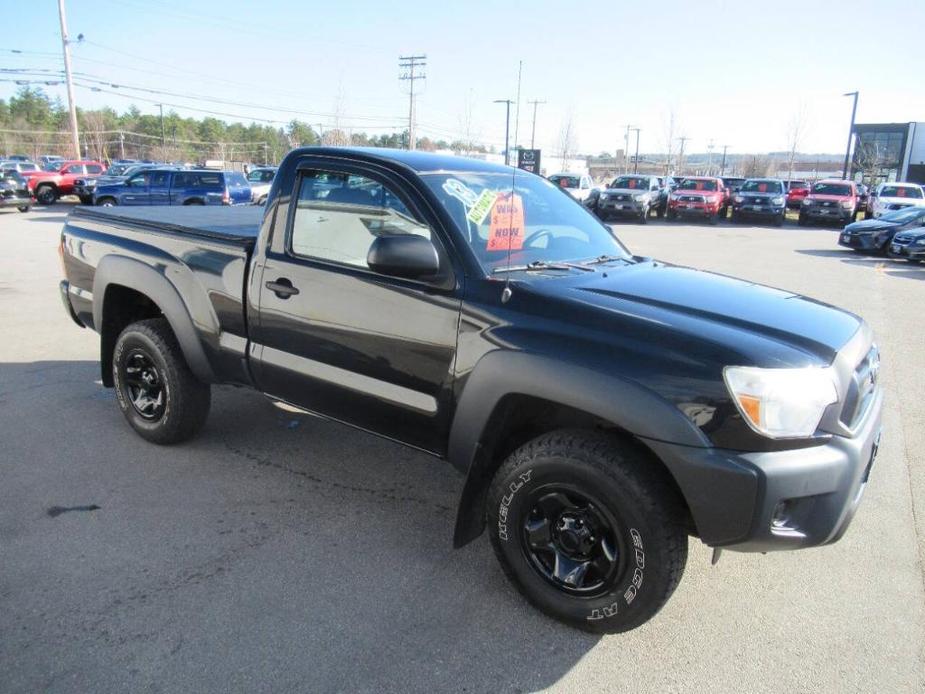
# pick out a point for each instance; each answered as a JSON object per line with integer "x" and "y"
{"x": 507, "y": 223}
{"x": 482, "y": 206}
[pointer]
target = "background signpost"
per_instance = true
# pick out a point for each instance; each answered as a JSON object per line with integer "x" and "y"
{"x": 529, "y": 160}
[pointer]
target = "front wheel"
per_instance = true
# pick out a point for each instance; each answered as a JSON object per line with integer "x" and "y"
{"x": 106, "y": 202}
{"x": 672, "y": 215}
{"x": 587, "y": 530}
{"x": 156, "y": 391}
{"x": 659, "y": 212}
{"x": 644, "y": 216}
{"x": 24, "y": 208}
{"x": 802, "y": 220}
{"x": 779, "y": 220}
{"x": 46, "y": 195}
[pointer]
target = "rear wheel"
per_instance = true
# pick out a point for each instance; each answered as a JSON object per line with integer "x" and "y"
{"x": 24, "y": 208}
{"x": 46, "y": 195}
{"x": 587, "y": 530}
{"x": 193, "y": 202}
{"x": 156, "y": 391}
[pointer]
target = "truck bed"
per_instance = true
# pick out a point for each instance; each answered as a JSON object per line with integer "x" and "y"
{"x": 236, "y": 225}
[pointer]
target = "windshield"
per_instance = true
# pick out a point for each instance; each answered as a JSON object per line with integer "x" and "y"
{"x": 908, "y": 214}
{"x": 831, "y": 189}
{"x": 261, "y": 175}
{"x": 565, "y": 181}
{"x": 539, "y": 224}
{"x": 694, "y": 184}
{"x": 117, "y": 169}
{"x": 631, "y": 182}
{"x": 763, "y": 187}
{"x": 900, "y": 192}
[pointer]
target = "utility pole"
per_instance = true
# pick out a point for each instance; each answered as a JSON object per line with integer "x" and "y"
{"x": 854, "y": 110}
{"x": 520, "y": 68}
{"x": 722, "y": 168}
{"x": 71, "y": 105}
{"x": 265, "y": 160}
{"x": 121, "y": 145}
{"x": 320, "y": 133}
{"x": 163, "y": 134}
{"x": 507, "y": 129}
{"x": 636, "y": 158}
{"x": 626, "y": 149}
{"x": 681, "y": 153}
{"x": 710, "y": 158}
{"x": 535, "y": 102}
{"x": 408, "y": 64}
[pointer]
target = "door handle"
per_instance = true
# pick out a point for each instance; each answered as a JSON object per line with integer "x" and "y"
{"x": 282, "y": 288}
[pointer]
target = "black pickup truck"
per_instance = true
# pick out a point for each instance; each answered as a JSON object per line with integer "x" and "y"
{"x": 602, "y": 406}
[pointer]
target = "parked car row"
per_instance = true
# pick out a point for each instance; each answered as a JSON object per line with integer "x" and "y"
{"x": 172, "y": 186}
{"x": 897, "y": 233}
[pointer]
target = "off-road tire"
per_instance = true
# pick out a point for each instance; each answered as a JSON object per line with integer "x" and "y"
{"x": 46, "y": 194}
{"x": 186, "y": 399}
{"x": 649, "y": 532}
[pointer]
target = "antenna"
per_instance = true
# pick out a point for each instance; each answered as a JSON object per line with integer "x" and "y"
{"x": 506, "y": 292}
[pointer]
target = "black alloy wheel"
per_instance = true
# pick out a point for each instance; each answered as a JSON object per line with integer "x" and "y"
{"x": 45, "y": 195}
{"x": 572, "y": 541}
{"x": 144, "y": 386}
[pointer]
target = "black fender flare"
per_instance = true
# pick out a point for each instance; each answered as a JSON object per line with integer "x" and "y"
{"x": 628, "y": 406}
{"x": 146, "y": 280}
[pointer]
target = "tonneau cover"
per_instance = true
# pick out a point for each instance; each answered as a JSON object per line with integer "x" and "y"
{"x": 238, "y": 224}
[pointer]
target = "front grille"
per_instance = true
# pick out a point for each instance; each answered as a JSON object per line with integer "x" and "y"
{"x": 861, "y": 390}
{"x": 756, "y": 201}
{"x": 902, "y": 240}
{"x": 691, "y": 198}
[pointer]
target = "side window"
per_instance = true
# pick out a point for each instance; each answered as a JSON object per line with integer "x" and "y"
{"x": 75, "y": 169}
{"x": 159, "y": 179}
{"x": 338, "y": 216}
{"x": 139, "y": 180}
{"x": 94, "y": 169}
{"x": 209, "y": 180}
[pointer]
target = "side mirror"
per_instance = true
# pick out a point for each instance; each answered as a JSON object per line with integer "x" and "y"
{"x": 404, "y": 255}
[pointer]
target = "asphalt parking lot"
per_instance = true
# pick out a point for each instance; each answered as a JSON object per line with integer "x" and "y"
{"x": 279, "y": 552}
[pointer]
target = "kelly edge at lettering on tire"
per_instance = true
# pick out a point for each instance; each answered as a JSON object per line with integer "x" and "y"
{"x": 614, "y": 488}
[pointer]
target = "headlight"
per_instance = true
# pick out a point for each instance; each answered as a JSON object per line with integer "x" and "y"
{"x": 920, "y": 242}
{"x": 781, "y": 403}
{"x": 739, "y": 198}
{"x": 807, "y": 201}
{"x": 712, "y": 198}
{"x": 675, "y": 197}
{"x": 640, "y": 198}
{"x": 847, "y": 204}
{"x": 777, "y": 201}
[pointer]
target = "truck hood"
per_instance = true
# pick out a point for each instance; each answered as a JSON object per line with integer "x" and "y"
{"x": 916, "y": 202}
{"x": 763, "y": 196}
{"x": 827, "y": 198}
{"x": 767, "y": 324}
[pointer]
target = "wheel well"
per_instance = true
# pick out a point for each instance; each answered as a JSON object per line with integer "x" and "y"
{"x": 518, "y": 419}
{"x": 122, "y": 306}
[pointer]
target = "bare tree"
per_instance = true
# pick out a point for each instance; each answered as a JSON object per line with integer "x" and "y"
{"x": 568, "y": 141}
{"x": 755, "y": 166}
{"x": 796, "y": 130}
{"x": 870, "y": 160}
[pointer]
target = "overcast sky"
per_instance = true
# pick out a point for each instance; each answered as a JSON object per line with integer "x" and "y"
{"x": 734, "y": 73}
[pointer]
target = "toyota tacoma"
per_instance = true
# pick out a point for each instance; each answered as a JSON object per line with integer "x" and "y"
{"x": 601, "y": 406}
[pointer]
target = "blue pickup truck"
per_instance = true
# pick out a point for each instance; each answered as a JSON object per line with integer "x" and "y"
{"x": 168, "y": 187}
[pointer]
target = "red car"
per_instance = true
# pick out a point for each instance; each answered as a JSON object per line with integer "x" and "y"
{"x": 833, "y": 199}
{"x": 699, "y": 196}
{"x": 48, "y": 186}
{"x": 796, "y": 191}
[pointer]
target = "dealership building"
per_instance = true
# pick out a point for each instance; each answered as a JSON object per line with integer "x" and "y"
{"x": 889, "y": 151}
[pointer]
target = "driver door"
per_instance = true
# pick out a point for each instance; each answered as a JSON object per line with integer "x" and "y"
{"x": 136, "y": 190}
{"x": 339, "y": 339}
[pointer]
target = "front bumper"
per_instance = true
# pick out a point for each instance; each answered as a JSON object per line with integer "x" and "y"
{"x": 64, "y": 288}
{"x": 694, "y": 209}
{"x": 866, "y": 242}
{"x": 628, "y": 208}
{"x": 776, "y": 500}
{"x": 907, "y": 251}
{"x": 751, "y": 210}
{"x": 823, "y": 212}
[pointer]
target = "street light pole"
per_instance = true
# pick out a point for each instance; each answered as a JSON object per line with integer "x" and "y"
{"x": 636, "y": 158}
{"x": 71, "y": 105}
{"x": 626, "y": 149}
{"x": 722, "y": 168}
{"x": 507, "y": 129}
{"x": 854, "y": 110}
